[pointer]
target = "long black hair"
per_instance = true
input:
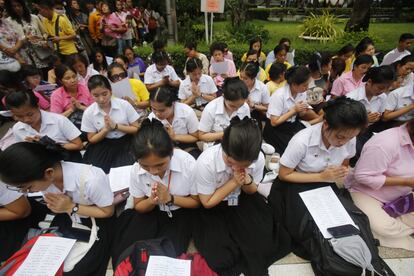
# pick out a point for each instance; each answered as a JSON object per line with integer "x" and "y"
{"x": 152, "y": 138}
{"x": 26, "y": 12}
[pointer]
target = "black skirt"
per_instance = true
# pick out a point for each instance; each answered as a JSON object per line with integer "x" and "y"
{"x": 95, "y": 262}
{"x": 279, "y": 136}
{"x": 191, "y": 148}
{"x": 13, "y": 233}
{"x": 109, "y": 153}
{"x": 289, "y": 207}
{"x": 240, "y": 239}
{"x": 132, "y": 226}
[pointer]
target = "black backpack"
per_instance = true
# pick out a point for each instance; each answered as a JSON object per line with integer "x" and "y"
{"x": 130, "y": 261}
{"x": 325, "y": 261}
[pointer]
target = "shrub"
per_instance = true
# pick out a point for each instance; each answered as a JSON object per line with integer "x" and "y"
{"x": 247, "y": 31}
{"x": 321, "y": 26}
{"x": 355, "y": 37}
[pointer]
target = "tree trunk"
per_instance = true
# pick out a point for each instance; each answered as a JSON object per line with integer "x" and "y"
{"x": 361, "y": 13}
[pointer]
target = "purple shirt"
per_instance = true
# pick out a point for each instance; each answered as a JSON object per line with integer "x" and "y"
{"x": 388, "y": 153}
{"x": 345, "y": 84}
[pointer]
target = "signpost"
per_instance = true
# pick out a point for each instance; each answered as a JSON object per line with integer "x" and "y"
{"x": 211, "y": 6}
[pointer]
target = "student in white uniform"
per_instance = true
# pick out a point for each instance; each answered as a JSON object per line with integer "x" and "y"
{"x": 316, "y": 157}
{"x": 372, "y": 95}
{"x": 399, "y": 107}
{"x": 160, "y": 73}
{"x": 163, "y": 192}
{"x": 197, "y": 89}
{"x": 14, "y": 207}
{"x": 71, "y": 191}
{"x": 404, "y": 69}
{"x": 402, "y": 50}
{"x": 217, "y": 114}
{"x": 34, "y": 123}
{"x": 235, "y": 231}
{"x": 109, "y": 123}
{"x": 259, "y": 95}
{"x": 287, "y": 107}
{"x": 179, "y": 119}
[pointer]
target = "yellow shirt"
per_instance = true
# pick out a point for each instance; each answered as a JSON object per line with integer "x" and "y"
{"x": 140, "y": 90}
{"x": 261, "y": 76}
{"x": 273, "y": 86}
{"x": 94, "y": 25}
{"x": 270, "y": 65}
{"x": 262, "y": 57}
{"x": 66, "y": 47}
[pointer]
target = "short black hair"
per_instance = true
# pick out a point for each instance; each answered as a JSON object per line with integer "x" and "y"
{"x": 160, "y": 56}
{"x": 318, "y": 60}
{"x": 98, "y": 81}
{"x": 123, "y": 57}
{"x": 19, "y": 98}
{"x": 165, "y": 95}
{"x": 152, "y": 138}
{"x": 158, "y": 45}
{"x": 234, "y": 89}
{"x": 242, "y": 139}
{"x": 345, "y": 113}
{"x": 381, "y": 74}
{"x": 406, "y": 36}
{"x": 45, "y": 3}
{"x": 115, "y": 65}
{"x": 10, "y": 11}
{"x": 193, "y": 64}
{"x": 60, "y": 71}
{"x": 346, "y": 49}
{"x": 279, "y": 48}
{"x": 24, "y": 162}
{"x": 363, "y": 45}
{"x": 297, "y": 75}
{"x": 29, "y": 70}
{"x": 192, "y": 45}
{"x": 250, "y": 69}
{"x": 276, "y": 69}
{"x": 363, "y": 59}
{"x": 77, "y": 58}
{"x": 216, "y": 46}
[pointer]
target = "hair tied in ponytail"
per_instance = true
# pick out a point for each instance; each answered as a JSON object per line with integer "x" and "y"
{"x": 50, "y": 144}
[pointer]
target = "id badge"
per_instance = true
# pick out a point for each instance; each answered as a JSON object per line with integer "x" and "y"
{"x": 233, "y": 199}
{"x": 75, "y": 219}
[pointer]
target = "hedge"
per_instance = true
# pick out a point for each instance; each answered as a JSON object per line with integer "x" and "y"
{"x": 301, "y": 55}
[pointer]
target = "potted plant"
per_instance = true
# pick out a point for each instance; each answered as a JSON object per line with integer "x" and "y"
{"x": 320, "y": 27}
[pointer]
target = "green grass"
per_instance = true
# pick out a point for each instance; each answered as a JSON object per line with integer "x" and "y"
{"x": 388, "y": 32}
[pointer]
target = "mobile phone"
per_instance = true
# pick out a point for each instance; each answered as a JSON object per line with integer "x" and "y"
{"x": 343, "y": 231}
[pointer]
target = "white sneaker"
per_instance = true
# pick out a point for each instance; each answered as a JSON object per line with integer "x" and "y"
{"x": 268, "y": 149}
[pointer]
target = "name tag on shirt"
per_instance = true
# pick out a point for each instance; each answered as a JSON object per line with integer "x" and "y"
{"x": 233, "y": 199}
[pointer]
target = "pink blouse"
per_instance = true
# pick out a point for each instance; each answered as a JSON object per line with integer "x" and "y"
{"x": 111, "y": 20}
{"x": 60, "y": 101}
{"x": 231, "y": 72}
{"x": 345, "y": 84}
{"x": 388, "y": 153}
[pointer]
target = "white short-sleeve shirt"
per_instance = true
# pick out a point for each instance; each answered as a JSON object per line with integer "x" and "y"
{"x": 206, "y": 85}
{"x": 394, "y": 55}
{"x": 307, "y": 153}
{"x": 215, "y": 118}
{"x": 259, "y": 93}
{"x": 7, "y": 196}
{"x": 122, "y": 112}
{"x": 211, "y": 172}
{"x": 400, "y": 98}
{"x": 152, "y": 75}
{"x": 185, "y": 119}
{"x": 180, "y": 182}
{"x": 53, "y": 125}
{"x": 376, "y": 104}
{"x": 97, "y": 190}
{"x": 282, "y": 101}
{"x": 90, "y": 71}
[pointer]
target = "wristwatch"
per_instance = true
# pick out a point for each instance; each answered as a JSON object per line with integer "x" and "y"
{"x": 75, "y": 209}
{"x": 171, "y": 202}
{"x": 251, "y": 180}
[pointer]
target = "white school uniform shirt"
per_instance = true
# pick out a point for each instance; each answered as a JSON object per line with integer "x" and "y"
{"x": 181, "y": 168}
{"x": 400, "y": 98}
{"x": 7, "y": 196}
{"x": 393, "y": 56}
{"x": 259, "y": 93}
{"x": 90, "y": 71}
{"x": 377, "y": 103}
{"x": 206, "y": 85}
{"x": 185, "y": 119}
{"x": 282, "y": 101}
{"x": 122, "y": 112}
{"x": 152, "y": 75}
{"x": 408, "y": 80}
{"x": 211, "y": 172}
{"x": 53, "y": 125}
{"x": 96, "y": 186}
{"x": 215, "y": 118}
{"x": 307, "y": 153}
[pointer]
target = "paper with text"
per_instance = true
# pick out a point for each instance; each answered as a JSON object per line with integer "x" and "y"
{"x": 326, "y": 209}
{"x": 122, "y": 89}
{"x": 166, "y": 266}
{"x": 220, "y": 67}
{"x": 119, "y": 178}
{"x": 45, "y": 257}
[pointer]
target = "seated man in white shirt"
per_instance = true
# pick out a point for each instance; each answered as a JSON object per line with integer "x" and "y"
{"x": 404, "y": 43}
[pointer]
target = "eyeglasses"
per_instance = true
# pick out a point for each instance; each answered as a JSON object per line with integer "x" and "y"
{"x": 17, "y": 189}
{"x": 118, "y": 77}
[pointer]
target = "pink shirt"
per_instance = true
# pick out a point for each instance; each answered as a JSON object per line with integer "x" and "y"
{"x": 43, "y": 103}
{"x": 345, "y": 84}
{"x": 388, "y": 153}
{"x": 231, "y": 72}
{"x": 111, "y": 20}
{"x": 60, "y": 99}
